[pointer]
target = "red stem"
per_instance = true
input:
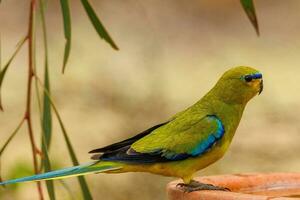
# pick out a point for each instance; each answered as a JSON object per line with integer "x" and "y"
{"x": 27, "y": 116}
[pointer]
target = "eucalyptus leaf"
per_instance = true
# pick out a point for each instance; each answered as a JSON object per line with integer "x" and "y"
{"x": 97, "y": 24}
{"x": 67, "y": 30}
{"x": 249, "y": 8}
{"x": 46, "y": 121}
{"x": 83, "y": 184}
{"x": 6, "y": 66}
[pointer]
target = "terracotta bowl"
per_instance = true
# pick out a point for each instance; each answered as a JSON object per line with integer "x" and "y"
{"x": 273, "y": 186}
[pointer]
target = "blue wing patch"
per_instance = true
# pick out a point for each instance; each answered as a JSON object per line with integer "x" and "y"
{"x": 211, "y": 139}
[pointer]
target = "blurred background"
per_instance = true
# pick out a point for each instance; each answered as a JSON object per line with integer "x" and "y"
{"x": 171, "y": 54}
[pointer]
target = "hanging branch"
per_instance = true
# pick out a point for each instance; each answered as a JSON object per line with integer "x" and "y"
{"x": 27, "y": 116}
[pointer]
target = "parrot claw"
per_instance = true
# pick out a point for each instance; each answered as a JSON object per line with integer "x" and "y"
{"x": 197, "y": 186}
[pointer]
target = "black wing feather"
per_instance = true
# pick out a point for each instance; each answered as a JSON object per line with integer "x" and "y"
{"x": 126, "y": 154}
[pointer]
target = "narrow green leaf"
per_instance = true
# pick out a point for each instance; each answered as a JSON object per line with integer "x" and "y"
{"x": 46, "y": 121}
{"x": 67, "y": 30}
{"x": 47, "y": 117}
{"x": 84, "y": 187}
{"x": 45, "y": 162}
{"x": 11, "y": 137}
{"x": 13, "y": 134}
{"x": 4, "y": 69}
{"x": 97, "y": 24}
{"x": 249, "y": 8}
{"x": 47, "y": 166}
{"x": 45, "y": 159}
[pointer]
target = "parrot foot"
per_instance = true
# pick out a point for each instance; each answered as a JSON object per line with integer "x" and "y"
{"x": 196, "y": 186}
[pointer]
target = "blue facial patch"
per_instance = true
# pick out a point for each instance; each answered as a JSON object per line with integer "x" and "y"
{"x": 257, "y": 76}
{"x": 250, "y": 77}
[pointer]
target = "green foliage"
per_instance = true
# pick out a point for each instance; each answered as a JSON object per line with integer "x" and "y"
{"x": 45, "y": 108}
{"x": 6, "y": 66}
{"x": 97, "y": 24}
{"x": 84, "y": 187}
{"x": 46, "y": 112}
{"x": 67, "y": 29}
{"x": 249, "y": 8}
{"x": 10, "y": 137}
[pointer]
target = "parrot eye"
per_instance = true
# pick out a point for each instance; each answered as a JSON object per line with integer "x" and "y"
{"x": 248, "y": 78}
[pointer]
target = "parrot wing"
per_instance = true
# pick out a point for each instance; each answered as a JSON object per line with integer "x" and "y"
{"x": 129, "y": 141}
{"x": 176, "y": 140}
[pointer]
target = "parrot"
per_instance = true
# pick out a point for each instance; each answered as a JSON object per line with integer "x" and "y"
{"x": 179, "y": 147}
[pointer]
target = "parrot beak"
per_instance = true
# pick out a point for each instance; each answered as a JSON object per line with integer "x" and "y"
{"x": 261, "y": 87}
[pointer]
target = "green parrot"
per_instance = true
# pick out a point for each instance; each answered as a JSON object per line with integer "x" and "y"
{"x": 186, "y": 143}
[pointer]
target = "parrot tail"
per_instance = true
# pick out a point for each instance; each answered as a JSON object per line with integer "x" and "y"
{"x": 88, "y": 168}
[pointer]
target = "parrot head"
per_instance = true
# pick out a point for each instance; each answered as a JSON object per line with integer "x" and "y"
{"x": 239, "y": 85}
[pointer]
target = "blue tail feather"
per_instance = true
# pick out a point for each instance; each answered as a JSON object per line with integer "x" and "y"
{"x": 66, "y": 172}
